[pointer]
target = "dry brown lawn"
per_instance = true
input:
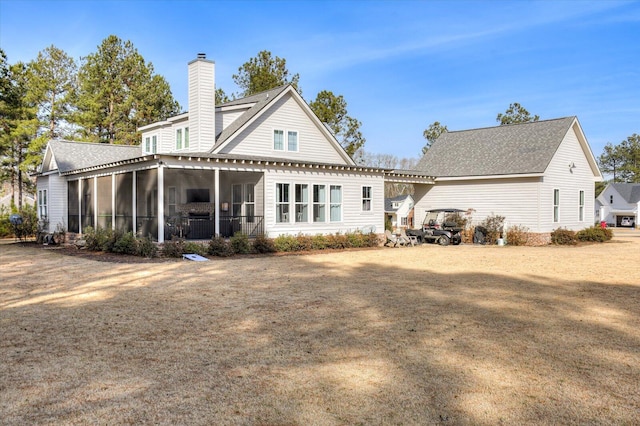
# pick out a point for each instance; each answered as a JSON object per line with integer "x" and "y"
{"x": 423, "y": 335}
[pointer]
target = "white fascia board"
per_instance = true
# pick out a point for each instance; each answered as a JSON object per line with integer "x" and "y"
{"x": 246, "y": 106}
{"x": 157, "y": 124}
{"x": 458, "y": 178}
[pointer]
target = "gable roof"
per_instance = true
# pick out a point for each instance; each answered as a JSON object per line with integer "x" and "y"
{"x": 629, "y": 191}
{"x": 525, "y": 148}
{"x": 388, "y": 202}
{"x": 70, "y": 155}
{"x": 263, "y": 101}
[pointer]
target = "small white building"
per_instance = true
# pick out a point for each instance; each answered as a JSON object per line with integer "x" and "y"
{"x": 540, "y": 175}
{"x": 618, "y": 200}
{"x": 399, "y": 211}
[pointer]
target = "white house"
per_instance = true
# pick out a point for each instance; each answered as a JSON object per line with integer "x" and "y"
{"x": 540, "y": 175}
{"x": 618, "y": 200}
{"x": 261, "y": 164}
{"x": 399, "y": 210}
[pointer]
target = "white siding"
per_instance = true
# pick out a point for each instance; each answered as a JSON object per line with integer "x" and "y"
{"x": 515, "y": 199}
{"x": 619, "y": 204}
{"x": 570, "y": 181}
{"x": 201, "y": 105}
{"x": 56, "y": 187}
{"x": 286, "y": 114}
{"x": 225, "y": 118}
{"x": 353, "y": 218}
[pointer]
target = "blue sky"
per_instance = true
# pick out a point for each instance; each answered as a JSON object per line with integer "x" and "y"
{"x": 400, "y": 65}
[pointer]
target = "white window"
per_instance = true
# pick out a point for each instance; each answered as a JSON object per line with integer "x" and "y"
{"x": 42, "y": 203}
{"x": 556, "y": 205}
{"x": 282, "y": 202}
{"x": 249, "y": 202}
{"x": 154, "y": 144}
{"x": 278, "y": 140}
{"x": 302, "y": 203}
{"x": 178, "y": 138}
{"x": 147, "y": 144}
{"x": 319, "y": 203}
{"x": 186, "y": 137}
{"x": 366, "y": 198}
{"x": 292, "y": 141}
{"x": 404, "y": 221}
{"x": 335, "y": 206}
{"x": 581, "y": 206}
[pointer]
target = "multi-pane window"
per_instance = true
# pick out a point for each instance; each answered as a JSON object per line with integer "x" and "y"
{"x": 249, "y": 202}
{"x": 319, "y": 203}
{"x": 154, "y": 144}
{"x": 42, "y": 203}
{"x": 581, "y": 206}
{"x": 186, "y": 137}
{"x": 556, "y": 205}
{"x": 236, "y": 199}
{"x": 282, "y": 202}
{"x": 292, "y": 141}
{"x": 278, "y": 140}
{"x": 178, "y": 138}
{"x": 366, "y": 198}
{"x": 404, "y": 221}
{"x": 147, "y": 144}
{"x": 335, "y": 203}
{"x": 302, "y": 203}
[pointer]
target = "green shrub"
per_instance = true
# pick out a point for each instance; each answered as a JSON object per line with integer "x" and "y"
{"x": 595, "y": 233}
{"x": 518, "y": 235}
{"x": 318, "y": 242}
{"x": 286, "y": 243}
{"x": 219, "y": 247}
{"x": 126, "y": 244}
{"x": 240, "y": 243}
{"x": 563, "y": 236}
{"x": 147, "y": 248}
{"x": 305, "y": 242}
{"x": 174, "y": 248}
{"x": 262, "y": 244}
{"x": 195, "y": 248}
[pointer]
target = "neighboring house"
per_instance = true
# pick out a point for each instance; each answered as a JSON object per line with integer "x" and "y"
{"x": 618, "y": 200}
{"x": 399, "y": 211}
{"x": 261, "y": 164}
{"x": 9, "y": 194}
{"x": 540, "y": 175}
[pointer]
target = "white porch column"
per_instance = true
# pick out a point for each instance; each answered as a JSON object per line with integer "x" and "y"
{"x": 161, "y": 202}
{"x": 216, "y": 200}
{"x": 80, "y": 206}
{"x": 95, "y": 202}
{"x": 113, "y": 201}
{"x": 134, "y": 203}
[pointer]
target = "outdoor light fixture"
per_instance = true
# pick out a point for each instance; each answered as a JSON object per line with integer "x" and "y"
{"x": 225, "y": 207}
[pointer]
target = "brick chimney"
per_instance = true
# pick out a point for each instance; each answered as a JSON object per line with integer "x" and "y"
{"x": 202, "y": 120}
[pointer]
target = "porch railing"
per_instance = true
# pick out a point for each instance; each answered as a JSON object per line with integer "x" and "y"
{"x": 202, "y": 228}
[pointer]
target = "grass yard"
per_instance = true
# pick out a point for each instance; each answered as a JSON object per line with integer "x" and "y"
{"x": 420, "y": 335}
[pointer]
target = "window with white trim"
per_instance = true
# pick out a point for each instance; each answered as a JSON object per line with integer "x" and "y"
{"x": 178, "y": 138}
{"x": 292, "y": 141}
{"x": 366, "y": 198}
{"x": 556, "y": 205}
{"x": 319, "y": 203}
{"x": 404, "y": 221}
{"x": 278, "y": 140}
{"x": 249, "y": 202}
{"x": 282, "y": 202}
{"x": 154, "y": 144}
{"x": 581, "y": 211}
{"x": 302, "y": 203}
{"x": 147, "y": 144}
{"x": 186, "y": 137}
{"x": 42, "y": 203}
{"x": 335, "y": 203}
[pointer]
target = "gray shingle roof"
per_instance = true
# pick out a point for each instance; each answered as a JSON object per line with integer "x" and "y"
{"x": 502, "y": 150}
{"x": 78, "y": 155}
{"x": 629, "y": 191}
{"x": 261, "y": 101}
{"x": 388, "y": 202}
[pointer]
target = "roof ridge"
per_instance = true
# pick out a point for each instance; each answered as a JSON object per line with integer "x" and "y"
{"x": 94, "y": 143}
{"x": 502, "y": 126}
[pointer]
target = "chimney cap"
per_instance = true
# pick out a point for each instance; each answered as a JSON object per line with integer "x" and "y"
{"x": 202, "y": 56}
